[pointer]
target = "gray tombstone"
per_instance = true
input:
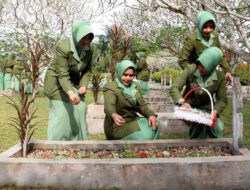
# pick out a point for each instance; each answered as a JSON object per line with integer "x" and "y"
{"x": 237, "y": 115}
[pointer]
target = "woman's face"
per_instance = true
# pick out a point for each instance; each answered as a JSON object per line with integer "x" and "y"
{"x": 85, "y": 41}
{"x": 202, "y": 69}
{"x": 208, "y": 28}
{"x": 127, "y": 76}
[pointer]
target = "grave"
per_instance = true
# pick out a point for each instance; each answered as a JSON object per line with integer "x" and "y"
{"x": 215, "y": 172}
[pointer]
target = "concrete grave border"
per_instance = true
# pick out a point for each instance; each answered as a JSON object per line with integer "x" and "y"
{"x": 225, "y": 172}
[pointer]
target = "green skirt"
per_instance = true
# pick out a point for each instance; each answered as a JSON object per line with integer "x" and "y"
{"x": 144, "y": 87}
{"x": 8, "y": 81}
{"x": 198, "y": 131}
{"x": 1, "y": 81}
{"x": 28, "y": 89}
{"x": 146, "y": 132}
{"x": 67, "y": 122}
{"x": 16, "y": 83}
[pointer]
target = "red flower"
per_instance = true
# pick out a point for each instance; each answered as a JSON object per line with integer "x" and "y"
{"x": 105, "y": 156}
{"x": 134, "y": 152}
{"x": 175, "y": 155}
{"x": 157, "y": 156}
{"x": 45, "y": 156}
{"x": 143, "y": 154}
{"x": 74, "y": 154}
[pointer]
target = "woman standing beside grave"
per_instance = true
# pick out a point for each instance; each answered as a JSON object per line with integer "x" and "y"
{"x": 9, "y": 63}
{"x": 122, "y": 100}
{"x": 66, "y": 83}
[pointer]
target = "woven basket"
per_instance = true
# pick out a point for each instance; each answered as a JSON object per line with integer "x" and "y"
{"x": 195, "y": 115}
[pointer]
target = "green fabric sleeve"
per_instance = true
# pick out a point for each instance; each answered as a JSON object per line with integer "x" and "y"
{"x": 109, "y": 102}
{"x": 185, "y": 52}
{"x": 62, "y": 69}
{"x": 143, "y": 108}
{"x": 175, "y": 90}
{"x": 221, "y": 96}
{"x": 86, "y": 76}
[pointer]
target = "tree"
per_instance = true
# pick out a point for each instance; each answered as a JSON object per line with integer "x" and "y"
{"x": 32, "y": 30}
{"x": 148, "y": 18}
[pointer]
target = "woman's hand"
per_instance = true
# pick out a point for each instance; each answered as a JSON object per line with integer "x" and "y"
{"x": 152, "y": 121}
{"x": 215, "y": 113}
{"x": 186, "y": 105}
{"x": 82, "y": 90}
{"x": 74, "y": 99}
{"x": 229, "y": 77}
{"x": 118, "y": 119}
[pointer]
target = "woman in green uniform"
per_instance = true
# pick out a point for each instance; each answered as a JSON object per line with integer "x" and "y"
{"x": 203, "y": 74}
{"x": 203, "y": 38}
{"x": 16, "y": 71}
{"x": 1, "y": 72}
{"x": 26, "y": 76}
{"x": 142, "y": 71}
{"x": 66, "y": 81}
{"x": 8, "y": 67}
{"x": 122, "y": 101}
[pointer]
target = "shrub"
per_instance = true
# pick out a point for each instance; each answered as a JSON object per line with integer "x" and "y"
{"x": 242, "y": 70}
{"x": 157, "y": 76}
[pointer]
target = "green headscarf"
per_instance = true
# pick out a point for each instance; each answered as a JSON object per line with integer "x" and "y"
{"x": 209, "y": 58}
{"x": 121, "y": 67}
{"x": 202, "y": 18}
{"x": 79, "y": 29}
{"x": 140, "y": 54}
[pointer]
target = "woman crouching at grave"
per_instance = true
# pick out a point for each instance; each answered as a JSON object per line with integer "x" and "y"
{"x": 203, "y": 74}
{"x": 122, "y": 101}
{"x": 66, "y": 82}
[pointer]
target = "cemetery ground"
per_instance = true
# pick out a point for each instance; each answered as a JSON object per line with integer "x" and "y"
{"x": 8, "y": 135}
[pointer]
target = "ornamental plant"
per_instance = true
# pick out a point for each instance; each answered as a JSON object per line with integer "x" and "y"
{"x": 34, "y": 50}
{"x": 243, "y": 71}
{"x": 168, "y": 72}
{"x": 119, "y": 47}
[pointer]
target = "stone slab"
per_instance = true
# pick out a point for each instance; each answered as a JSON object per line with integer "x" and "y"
{"x": 8, "y": 93}
{"x": 228, "y": 172}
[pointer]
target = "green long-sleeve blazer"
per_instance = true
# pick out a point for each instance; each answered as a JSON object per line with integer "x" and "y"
{"x": 142, "y": 70}
{"x": 116, "y": 101}
{"x": 193, "y": 47}
{"x": 63, "y": 74}
{"x": 195, "y": 99}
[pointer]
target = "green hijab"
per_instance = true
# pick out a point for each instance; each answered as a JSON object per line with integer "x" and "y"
{"x": 209, "y": 58}
{"x": 202, "y": 18}
{"x": 140, "y": 54}
{"x": 79, "y": 29}
{"x": 121, "y": 67}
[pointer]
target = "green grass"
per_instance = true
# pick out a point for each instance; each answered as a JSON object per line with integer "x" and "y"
{"x": 8, "y": 135}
